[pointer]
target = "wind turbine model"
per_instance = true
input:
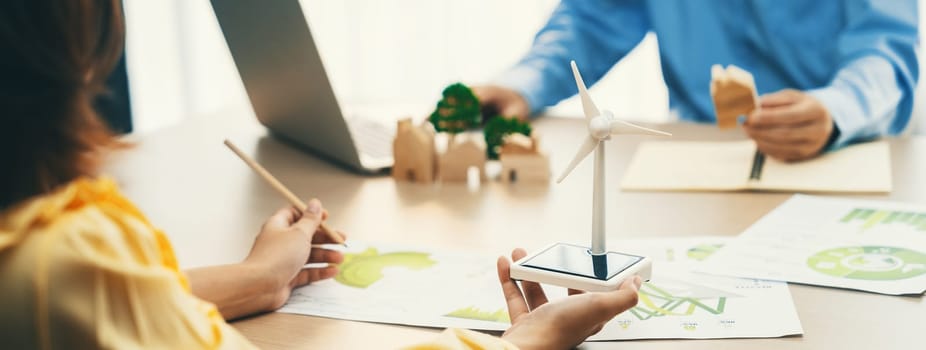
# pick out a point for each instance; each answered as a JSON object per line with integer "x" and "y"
{"x": 579, "y": 267}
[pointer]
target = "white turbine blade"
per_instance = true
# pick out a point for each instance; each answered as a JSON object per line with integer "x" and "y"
{"x": 588, "y": 106}
{"x": 621, "y": 127}
{"x": 587, "y": 147}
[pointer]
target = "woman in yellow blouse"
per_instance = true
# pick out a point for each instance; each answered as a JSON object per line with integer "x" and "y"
{"x": 81, "y": 267}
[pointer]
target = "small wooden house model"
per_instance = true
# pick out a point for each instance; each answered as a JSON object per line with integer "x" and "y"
{"x": 522, "y": 160}
{"x": 733, "y": 91}
{"x": 414, "y": 153}
{"x": 464, "y": 151}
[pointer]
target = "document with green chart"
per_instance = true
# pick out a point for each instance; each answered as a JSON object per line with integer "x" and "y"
{"x": 735, "y": 166}
{"x": 847, "y": 243}
{"x": 679, "y": 304}
{"x": 388, "y": 283}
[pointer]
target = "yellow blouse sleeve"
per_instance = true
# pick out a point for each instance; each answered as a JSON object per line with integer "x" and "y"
{"x": 464, "y": 339}
{"x": 93, "y": 273}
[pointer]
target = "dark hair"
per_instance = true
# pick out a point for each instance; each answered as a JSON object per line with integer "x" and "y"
{"x": 54, "y": 58}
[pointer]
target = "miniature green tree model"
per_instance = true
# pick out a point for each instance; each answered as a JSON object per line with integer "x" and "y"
{"x": 457, "y": 111}
{"x": 496, "y": 129}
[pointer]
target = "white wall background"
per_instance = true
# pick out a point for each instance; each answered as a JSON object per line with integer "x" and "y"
{"x": 376, "y": 51}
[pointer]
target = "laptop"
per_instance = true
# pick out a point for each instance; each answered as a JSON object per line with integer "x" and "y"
{"x": 285, "y": 80}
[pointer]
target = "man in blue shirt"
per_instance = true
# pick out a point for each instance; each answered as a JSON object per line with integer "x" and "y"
{"x": 828, "y": 72}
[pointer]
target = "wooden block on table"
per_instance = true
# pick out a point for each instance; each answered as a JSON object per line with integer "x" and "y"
{"x": 414, "y": 153}
{"x": 522, "y": 161}
{"x": 733, "y": 91}
{"x": 518, "y": 144}
{"x": 464, "y": 151}
{"x": 525, "y": 167}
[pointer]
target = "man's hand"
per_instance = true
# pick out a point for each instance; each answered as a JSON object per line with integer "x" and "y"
{"x": 502, "y": 101}
{"x": 790, "y": 125}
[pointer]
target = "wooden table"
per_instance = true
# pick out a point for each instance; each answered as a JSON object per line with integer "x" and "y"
{"x": 211, "y": 205}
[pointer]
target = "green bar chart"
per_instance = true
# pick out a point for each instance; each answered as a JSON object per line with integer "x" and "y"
{"x": 871, "y": 218}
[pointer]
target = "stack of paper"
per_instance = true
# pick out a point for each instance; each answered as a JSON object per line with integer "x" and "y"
{"x": 422, "y": 287}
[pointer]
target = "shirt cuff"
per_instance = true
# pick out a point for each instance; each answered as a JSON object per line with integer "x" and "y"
{"x": 526, "y": 81}
{"x": 840, "y": 107}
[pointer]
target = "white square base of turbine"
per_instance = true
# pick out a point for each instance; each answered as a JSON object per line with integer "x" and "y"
{"x": 574, "y": 266}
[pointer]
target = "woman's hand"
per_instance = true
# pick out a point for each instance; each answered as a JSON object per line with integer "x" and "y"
{"x": 565, "y": 323}
{"x": 264, "y": 281}
{"x": 284, "y": 245}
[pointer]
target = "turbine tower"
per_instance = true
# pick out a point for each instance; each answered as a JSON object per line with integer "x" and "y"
{"x": 601, "y": 125}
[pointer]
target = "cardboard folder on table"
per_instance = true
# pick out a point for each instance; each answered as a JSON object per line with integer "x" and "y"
{"x": 734, "y": 166}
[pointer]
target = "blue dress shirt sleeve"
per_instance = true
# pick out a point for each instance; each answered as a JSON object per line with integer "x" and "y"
{"x": 594, "y": 33}
{"x": 871, "y": 94}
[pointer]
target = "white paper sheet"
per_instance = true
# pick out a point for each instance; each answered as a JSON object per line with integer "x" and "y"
{"x": 420, "y": 287}
{"x": 409, "y": 286}
{"x": 856, "y": 244}
{"x": 679, "y": 304}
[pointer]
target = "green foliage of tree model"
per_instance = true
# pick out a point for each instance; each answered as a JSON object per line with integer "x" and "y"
{"x": 496, "y": 129}
{"x": 459, "y": 110}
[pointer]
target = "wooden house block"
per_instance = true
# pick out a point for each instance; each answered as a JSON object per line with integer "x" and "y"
{"x": 522, "y": 161}
{"x": 464, "y": 151}
{"x": 414, "y": 153}
{"x": 518, "y": 144}
{"x": 734, "y": 93}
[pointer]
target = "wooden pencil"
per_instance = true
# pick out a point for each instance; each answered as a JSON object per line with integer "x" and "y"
{"x": 278, "y": 186}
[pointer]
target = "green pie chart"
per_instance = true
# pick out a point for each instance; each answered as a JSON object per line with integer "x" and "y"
{"x": 874, "y": 263}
